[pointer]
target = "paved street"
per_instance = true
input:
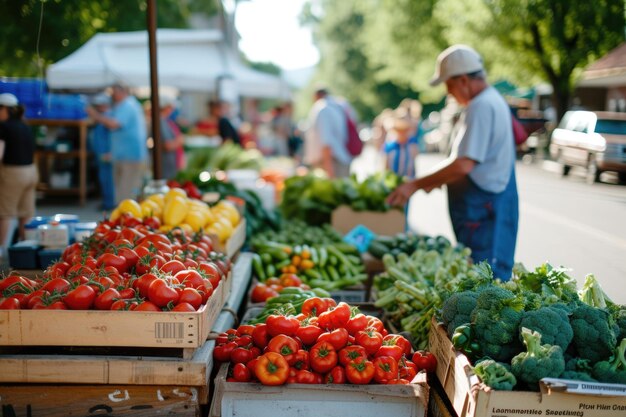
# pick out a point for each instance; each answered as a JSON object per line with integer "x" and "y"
{"x": 562, "y": 220}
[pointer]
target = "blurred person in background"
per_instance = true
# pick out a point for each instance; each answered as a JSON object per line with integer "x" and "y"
{"x": 480, "y": 173}
{"x": 127, "y": 125}
{"x": 401, "y": 147}
{"x": 100, "y": 145}
{"x": 172, "y": 139}
{"x": 219, "y": 110}
{"x": 326, "y": 138}
{"x": 18, "y": 173}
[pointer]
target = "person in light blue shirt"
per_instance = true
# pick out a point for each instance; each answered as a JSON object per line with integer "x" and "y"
{"x": 401, "y": 149}
{"x": 480, "y": 173}
{"x": 327, "y": 137}
{"x": 100, "y": 145}
{"x": 127, "y": 125}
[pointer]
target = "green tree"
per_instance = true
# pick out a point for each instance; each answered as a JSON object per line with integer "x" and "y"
{"x": 340, "y": 32}
{"x": 67, "y": 24}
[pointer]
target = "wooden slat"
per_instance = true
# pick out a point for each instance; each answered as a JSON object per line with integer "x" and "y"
{"x": 92, "y": 369}
{"x": 86, "y": 400}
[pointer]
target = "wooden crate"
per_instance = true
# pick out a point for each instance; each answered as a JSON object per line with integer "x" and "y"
{"x": 471, "y": 398}
{"x": 113, "y": 328}
{"x": 103, "y": 400}
{"x": 90, "y": 366}
{"x": 254, "y": 399}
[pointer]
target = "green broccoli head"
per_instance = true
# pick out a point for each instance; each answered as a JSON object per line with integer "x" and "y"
{"x": 620, "y": 321}
{"x": 496, "y": 319}
{"x": 457, "y": 309}
{"x": 539, "y": 361}
{"x": 594, "y": 336}
{"x": 613, "y": 370}
{"x": 577, "y": 369}
{"x": 553, "y": 325}
{"x": 495, "y": 374}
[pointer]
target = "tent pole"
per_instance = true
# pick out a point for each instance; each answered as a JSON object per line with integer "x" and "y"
{"x": 154, "y": 90}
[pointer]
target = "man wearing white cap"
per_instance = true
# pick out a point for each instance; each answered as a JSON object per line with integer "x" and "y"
{"x": 480, "y": 172}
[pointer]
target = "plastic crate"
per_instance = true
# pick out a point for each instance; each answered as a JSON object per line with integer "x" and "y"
{"x": 23, "y": 255}
{"x": 48, "y": 256}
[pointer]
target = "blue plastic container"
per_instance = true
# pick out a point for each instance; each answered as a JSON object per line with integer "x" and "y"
{"x": 48, "y": 257}
{"x": 23, "y": 255}
{"x": 30, "y": 228}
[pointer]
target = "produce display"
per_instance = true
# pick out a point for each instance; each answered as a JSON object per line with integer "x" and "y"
{"x": 538, "y": 325}
{"x": 288, "y": 300}
{"x": 124, "y": 265}
{"x": 257, "y": 217}
{"x": 224, "y": 157}
{"x": 413, "y": 287}
{"x": 326, "y": 343}
{"x": 407, "y": 242}
{"x": 311, "y": 198}
{"x": 176, "y": 209}
{"x": 330, "y": 267}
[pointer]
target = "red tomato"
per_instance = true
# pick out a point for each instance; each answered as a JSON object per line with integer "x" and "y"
{"x": 241, "y": 373}
{"x": 260, "y": 338}
{"x": 189, "y": 278}
{"x": 80, "y": 298}
{"x": 142, "y": 284}
{"x": 147, "y": 306}
{"x": 59, "y": 285}
{"x": 191, "y": 296}
{"x": 356, "y": 323}
{"x": 308, "y": 334}
{"x": 323, "y": 357}
{"x": 285, "y": 346}
{"x": 425, "y": 360}
{"x": 335, "y": 317}
{"x": 360, "y": 372}
{"x": 161, "y": 293}
{"x": 110, "y": 259}
{"x": 181, "y": 306}
{"x": 385, "y": 369}
{"x": 338, "y": 338}
{"x": 211, "y": 272}
{"x": 337, "y": 375}
{"x": 10, "y": 303}
{"x": 370, "y": 339}
{"x": 105, "y": 300}
{"x": 282, "y": 325}
{"x": 173, "y": 267}
{"x": 352, "y": 353}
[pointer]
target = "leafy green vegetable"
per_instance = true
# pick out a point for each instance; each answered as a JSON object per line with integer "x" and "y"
{"x": 495, "y": 374}
{"x": 539, "y": 361}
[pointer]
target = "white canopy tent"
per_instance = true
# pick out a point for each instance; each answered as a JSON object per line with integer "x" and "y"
{"x": 192, "y": 61}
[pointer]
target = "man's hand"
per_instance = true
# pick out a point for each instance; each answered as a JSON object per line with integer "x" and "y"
{"x": 91, "y": 112}
{"x": 400, "y": 196}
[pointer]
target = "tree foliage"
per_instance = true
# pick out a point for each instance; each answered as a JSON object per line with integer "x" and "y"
{"x": 67, "y": 24}
{"x": 365, "y": 44}
{"x": 346, "y": 67}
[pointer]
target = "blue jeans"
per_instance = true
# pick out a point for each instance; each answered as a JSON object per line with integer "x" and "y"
{"x": 105, "y": 177}
{"x": 486, "y": 223}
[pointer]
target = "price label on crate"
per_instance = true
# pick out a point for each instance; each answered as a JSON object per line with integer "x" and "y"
{"x": 360, "y": 237}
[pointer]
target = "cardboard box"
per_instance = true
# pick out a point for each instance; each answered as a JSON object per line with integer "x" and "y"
{"x": 391, "y": 222}
{"x": 112, "y": 328}
{"x": 254, "y": 399}
{"x": 471, "y": 398}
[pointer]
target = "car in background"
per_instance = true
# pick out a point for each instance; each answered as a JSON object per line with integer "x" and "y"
{"x": 592, "y": 140}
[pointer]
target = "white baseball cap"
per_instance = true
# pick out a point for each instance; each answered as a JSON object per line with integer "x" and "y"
{"x": 456, "y": 60}
{"x": 8, "y": 100}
